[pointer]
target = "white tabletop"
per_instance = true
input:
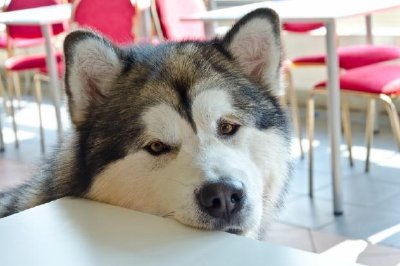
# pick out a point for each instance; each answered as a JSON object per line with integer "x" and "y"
{"x": 301, "y": 10}
{"x": 37, "y": 16}
{"x": 81, "y": 232}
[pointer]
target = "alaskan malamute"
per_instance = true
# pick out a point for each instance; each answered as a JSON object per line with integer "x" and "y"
{"x": 190, "y": 130}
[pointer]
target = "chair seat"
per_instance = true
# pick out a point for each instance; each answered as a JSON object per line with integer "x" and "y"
{"x": 28, "y": 62}
{"x": 355, "y": 56}
{"x": 376, "y": 79}
{"x": 19, "y": 43}
{"x": 301, "y": 27}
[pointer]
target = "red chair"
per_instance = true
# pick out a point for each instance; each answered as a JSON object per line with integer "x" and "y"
{"x": 117, "y": 24}
{"x": 113, "y": 19}
{"x": 374, "y": 82}
{"x": 166, "y": 15}
{"x": 349, "y": 57}
{"x": 16, "y": 64}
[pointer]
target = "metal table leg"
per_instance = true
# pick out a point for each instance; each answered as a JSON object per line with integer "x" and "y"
{"x": 52, "y": 68}
{"x": 334, "y": 114}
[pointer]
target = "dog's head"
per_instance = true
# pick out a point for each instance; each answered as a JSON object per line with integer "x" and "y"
{"x": 190, "y": 130}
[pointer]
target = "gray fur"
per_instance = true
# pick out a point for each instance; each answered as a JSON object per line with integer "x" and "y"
{"x": 111, "y": 127}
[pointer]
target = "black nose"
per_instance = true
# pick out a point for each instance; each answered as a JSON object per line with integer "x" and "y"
{"x": 222, "y": 199}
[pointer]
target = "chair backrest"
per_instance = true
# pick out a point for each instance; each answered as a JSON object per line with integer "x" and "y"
{"x": 112, "y": 18}
{"x": 169, "y": 13}
{"x": 30, "y": 32}
{"x": 301, "y": 27}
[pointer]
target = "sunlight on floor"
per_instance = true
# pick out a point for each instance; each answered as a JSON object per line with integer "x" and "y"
{"x": 8, "y": 135}
{"x": 382, "y": 157}
{"x": 384, "y": 234}
{"x": 348, "y": 250}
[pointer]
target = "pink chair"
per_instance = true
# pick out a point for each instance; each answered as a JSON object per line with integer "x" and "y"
{"x": 16, "y": 64}
{"x": 349, "y": 57}
{"x": 167, "y": 14}
{"x": 15, "y": 41}
{"x": 117, "y": 24}
{"x": 374, "y": 82}
{"x": 113, "y": 19}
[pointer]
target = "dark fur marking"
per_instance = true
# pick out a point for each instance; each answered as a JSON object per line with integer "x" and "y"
{"x": 186, "y": 108}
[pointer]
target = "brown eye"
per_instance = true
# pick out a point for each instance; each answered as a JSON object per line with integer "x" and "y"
{"x": 228, "y": 129}
{"x": 156, "y": 148}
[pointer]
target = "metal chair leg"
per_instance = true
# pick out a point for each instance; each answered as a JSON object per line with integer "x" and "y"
{"x": 1, "y": 126}
{"x": 310, "y": 130}
{"x": 17, "y": 88}
{"x": 11, "y": 96}
{"x": 1, "y": 137}
{"x": 369, "y": 131}
{"x": 294, "y": 109}
{"x": 38, "y": 97}
{"x": 347, "y": 128}
{"x": 393, "y": 117}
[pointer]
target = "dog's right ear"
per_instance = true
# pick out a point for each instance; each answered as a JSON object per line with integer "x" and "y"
{"x": 92, "y": 63}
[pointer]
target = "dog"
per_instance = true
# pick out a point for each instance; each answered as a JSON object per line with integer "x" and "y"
{"x": 191, "y": 130}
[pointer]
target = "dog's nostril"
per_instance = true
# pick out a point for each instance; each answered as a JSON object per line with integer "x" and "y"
{"x": 236, "y": 198}
{"x": 221, "y": 199}
{"x": 216, "y": 203}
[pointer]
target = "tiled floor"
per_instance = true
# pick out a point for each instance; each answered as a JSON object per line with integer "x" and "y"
{"x": 368, "y": 232}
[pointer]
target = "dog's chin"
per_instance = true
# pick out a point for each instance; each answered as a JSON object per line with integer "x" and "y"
{"x": 211, "y": 224}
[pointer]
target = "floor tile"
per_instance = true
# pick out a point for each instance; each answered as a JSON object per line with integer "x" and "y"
{"x": 311, "y": 213}
{"x": 392, "y": 241}
{"x": 378, "y": 255}
{"x": 362, "y": 224}
{"x": 391, "y": 204}
{"x": 324, "y": 241}
{"x": 362, "y": 190}
{"x": 291, "y": 236}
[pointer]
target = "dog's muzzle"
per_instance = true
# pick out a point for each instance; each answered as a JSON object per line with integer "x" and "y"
{"x": 222, "y": 200}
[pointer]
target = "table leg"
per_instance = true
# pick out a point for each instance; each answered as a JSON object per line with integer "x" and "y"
{"x": 334, "y": 114}
{"x": 368, "y": 28}
{"x": 209, "y": 27}
{"x": 52, "y": 69}
{"x": 370, "y": 40}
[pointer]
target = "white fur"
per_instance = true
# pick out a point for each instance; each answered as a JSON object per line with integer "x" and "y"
{"x": 166, "y": 185}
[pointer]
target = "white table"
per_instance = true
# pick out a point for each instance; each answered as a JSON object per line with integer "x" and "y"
{"x": 44, "y": 17}
{"x": 327, "y": 12}
{"x": 81, "y": 232}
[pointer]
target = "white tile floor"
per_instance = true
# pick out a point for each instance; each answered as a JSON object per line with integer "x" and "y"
{"x": 368, "y": 232}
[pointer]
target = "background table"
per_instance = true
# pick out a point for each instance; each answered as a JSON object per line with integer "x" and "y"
{"x": 81, "y": 232}
{"x": 44, "y": 17}
{"x": 327, "y": 12}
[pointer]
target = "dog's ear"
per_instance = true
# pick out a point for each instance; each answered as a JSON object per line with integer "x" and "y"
{"x": 255, "y": 42}
{"x": 92, "y": 63}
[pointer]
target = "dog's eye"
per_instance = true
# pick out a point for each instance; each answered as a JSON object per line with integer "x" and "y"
{"x": 227, "y": 128}
{"x": 156, "y": 148}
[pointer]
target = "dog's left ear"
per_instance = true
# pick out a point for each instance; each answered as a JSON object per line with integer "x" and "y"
{"x": 255, "y": 42}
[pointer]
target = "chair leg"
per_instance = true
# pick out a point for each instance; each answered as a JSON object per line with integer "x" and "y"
{"x": 393, "y": 117}
{"x": 1, "y": 126}
{"x": 310, "y": 130}
{"x": 294, "y": 109}
{"x": 11, "y": 96}
{"x": 347, "y": 128}
{"x": 369, "y": 131}
{"x": 1, "y": 137}
{"x": 38, "y": 97}
{"x": 17, "y": 88}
